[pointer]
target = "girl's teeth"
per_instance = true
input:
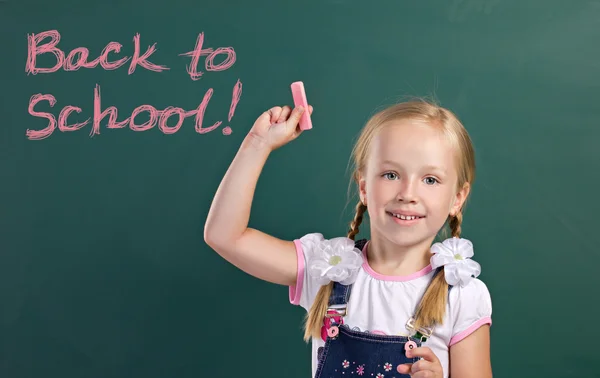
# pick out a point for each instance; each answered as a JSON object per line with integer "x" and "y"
{"x": 405, "y": 217}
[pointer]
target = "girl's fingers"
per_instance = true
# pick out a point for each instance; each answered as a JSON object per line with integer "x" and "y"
{"x": 404, "y": 368}
{"x": 428, "y": 366}
{"x": 422, "y": 368}
{"x": 424, "y": 352}
{"x": 295, "y": 116}
{"x": 425, "y": 374}
{"x": 285, "y": 112}
{"x": 275, "y": 112}
{"x": 423, "y": 365}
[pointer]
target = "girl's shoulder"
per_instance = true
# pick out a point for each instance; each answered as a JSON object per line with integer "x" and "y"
{"x": 474, "y": 293}
{"x": 469, "y": 299}
{"x": 461, "y": 272}
{"x": 320, "y": 261}
{"x": 315, "y": 239}
{"x": 470, "y": 307}
{"x": 334, "y": 259}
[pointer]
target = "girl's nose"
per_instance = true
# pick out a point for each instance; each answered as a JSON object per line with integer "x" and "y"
{"x": 407, "y": 192}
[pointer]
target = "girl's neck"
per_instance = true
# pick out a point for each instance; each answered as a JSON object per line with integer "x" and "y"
{"x": 390, "y": 259}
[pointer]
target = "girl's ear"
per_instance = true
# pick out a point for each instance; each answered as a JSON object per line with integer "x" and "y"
{"x": 362, "y": 190}
{"x": 460, "y": 198}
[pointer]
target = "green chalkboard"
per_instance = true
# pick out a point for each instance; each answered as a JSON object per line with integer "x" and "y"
{"x": 104, "y": 271}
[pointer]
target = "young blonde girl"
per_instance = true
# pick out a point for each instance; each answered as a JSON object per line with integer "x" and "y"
{"x": 394, "y": 305}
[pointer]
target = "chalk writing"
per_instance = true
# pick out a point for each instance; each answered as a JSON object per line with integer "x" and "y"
{"x": 79, "y": 58}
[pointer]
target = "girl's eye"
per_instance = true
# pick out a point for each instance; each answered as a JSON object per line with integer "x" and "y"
{"x": 389, "y": 173}
{"x": 430, "y": 180}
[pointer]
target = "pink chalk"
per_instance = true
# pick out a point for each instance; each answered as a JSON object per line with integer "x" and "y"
{"x": 299, "y": 96}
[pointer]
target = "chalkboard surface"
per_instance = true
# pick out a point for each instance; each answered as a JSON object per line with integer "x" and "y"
{"x": 104, "y": 271}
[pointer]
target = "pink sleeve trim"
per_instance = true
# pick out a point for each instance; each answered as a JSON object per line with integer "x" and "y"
{"x": 459, "y": 336}
{"x": 296, "y": 290}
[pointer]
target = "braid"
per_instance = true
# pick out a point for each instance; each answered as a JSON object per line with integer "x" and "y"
{"x": 455, "y": 223}
{"x": 433, "y": 305}
{"x": 314, "y": 318}
{"x": 358, "y": 217}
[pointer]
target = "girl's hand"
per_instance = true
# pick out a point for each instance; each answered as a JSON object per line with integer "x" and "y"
{"x": 429, "y": 367}
{"x": 276, "y": 127}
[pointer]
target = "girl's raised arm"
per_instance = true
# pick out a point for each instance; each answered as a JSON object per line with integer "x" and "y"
{"x": 226, "y": 229}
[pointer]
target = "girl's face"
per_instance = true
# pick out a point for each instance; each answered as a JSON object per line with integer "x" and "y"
{"x": 410, "y": 183}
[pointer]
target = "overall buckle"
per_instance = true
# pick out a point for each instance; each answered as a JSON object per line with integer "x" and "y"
{"x": 339, "y": 311}
{"x": 423, "y": 333}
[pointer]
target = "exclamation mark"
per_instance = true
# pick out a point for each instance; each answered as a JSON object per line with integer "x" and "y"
{"x": 237, "y": 93}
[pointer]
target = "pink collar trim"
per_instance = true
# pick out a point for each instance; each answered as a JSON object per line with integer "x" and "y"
{"x": 384, "y": 277}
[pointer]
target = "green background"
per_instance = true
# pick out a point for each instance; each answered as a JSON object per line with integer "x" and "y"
{"x": 104, "y": 271}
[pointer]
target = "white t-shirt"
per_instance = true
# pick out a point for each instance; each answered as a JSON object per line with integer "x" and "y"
{"x": 383, "y": 304}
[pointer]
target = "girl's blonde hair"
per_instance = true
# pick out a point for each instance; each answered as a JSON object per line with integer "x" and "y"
{"x": 432, "y": 307}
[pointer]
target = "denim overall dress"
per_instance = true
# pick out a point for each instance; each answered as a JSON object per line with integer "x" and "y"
{"x": 351, "y": 353}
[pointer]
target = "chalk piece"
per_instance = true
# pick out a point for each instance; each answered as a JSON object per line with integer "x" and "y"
{"x": 299, "y": 96}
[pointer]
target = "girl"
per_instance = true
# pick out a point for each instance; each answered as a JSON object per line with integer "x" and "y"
{"x": 392, "y": 306}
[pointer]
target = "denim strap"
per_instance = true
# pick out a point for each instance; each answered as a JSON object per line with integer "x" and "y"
{"x": 341, "y": 293}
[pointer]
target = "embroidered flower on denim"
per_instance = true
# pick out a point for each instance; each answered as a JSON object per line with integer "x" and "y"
{"x": 360, "y": 370}
{"x": 336, "y": 260}
{"x": 454, "y": 254}
{"x": 345, "y": 364}
{"x": 387, "y": 366}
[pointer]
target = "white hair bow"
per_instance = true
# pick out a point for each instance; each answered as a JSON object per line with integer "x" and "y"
{"x": 336, "y": 260}
{"x": 454, "y": 254}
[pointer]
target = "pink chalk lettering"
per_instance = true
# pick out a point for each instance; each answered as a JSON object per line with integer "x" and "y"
{"x": 99, "y": 114}
{"x": 196, "y": 54}
{"x": 198, "y": 51}
{"x": 237, "y": 93}
{"x": 200, "y": 114}
{"x": 64, "y": 114}
{"x": 78, "y": 57}
{"x": 81, "y": 61}
{"x": 162, "y": 116}
{"x": 168, "y": 112}
{"x": 41, "y": 134}
{"x": 116, "y": 47}
{"x": 142, "y": 60}
{"x": 228, "y": 62}
{"x": 148, "y": 124}
{"x": 33, "y": 50}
